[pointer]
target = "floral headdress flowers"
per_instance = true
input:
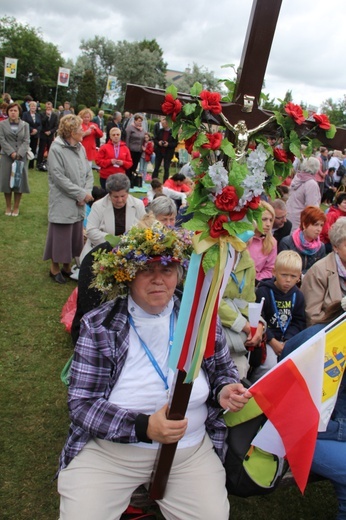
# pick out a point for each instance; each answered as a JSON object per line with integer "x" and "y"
{"x": 132, "y": 251}
{"x": 230, "y": 179}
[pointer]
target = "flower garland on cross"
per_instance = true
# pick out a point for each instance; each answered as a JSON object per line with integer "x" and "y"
{"x": 230, "y": 179}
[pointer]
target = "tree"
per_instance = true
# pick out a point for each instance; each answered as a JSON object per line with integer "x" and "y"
{"x": 336, "y": 111}
{"x": 140, "y": 63}
{"x": 198, "y": 74}
{"x": 38, "y": 61}
{"x": 87, "y": 90}
{"x": 98, "y": 55}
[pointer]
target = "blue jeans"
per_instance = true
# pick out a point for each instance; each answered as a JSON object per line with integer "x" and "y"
{"x": 330, "y": 462}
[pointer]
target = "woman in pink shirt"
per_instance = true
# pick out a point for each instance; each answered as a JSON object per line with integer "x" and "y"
{"x": 263, "y": 246}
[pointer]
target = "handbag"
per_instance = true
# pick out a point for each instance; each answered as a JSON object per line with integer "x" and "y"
{"x": 30, "y": 155}
{"x": 16, "y": 174}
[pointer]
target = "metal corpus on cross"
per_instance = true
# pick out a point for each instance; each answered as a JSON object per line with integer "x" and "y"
{"x": 244, "y": 107}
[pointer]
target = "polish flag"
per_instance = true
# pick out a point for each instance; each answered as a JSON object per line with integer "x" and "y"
{"x": 290, "y": 396}
{"x": 298, "y": 397}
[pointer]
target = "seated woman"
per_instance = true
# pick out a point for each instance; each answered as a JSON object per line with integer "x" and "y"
{"x": 113, "y": 157}
{"x": 336, "y": 211}
{"x": 114, "y": 214}
{"x": 263, "y": 246}
{"x": 306, "y": 239}
{"x": 330, "y": 450}
{"x": 119, "y": 387}
{"x": 233, "y": 312}
{"x": 325, "y": 281}
{"x": 164, "y": 209}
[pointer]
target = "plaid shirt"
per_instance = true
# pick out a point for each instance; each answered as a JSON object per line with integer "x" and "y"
{"x": 99, "y": 358}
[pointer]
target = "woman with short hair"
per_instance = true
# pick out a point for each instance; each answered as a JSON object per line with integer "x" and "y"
{"x": 14, "y": 143}
{"x": 91, "y": 132}
{"x": 120, "y": 385}
{"x": 70, "y": 182}
{"x": 114, "y": 214}
{"x": 113, "y": 156}
{"x": 306, "y": 239}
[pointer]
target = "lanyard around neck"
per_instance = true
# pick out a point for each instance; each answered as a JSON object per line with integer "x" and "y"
{"x": 276, "y": 311}
{"x": 116, "y": 150}
{"x": 242, "y": 283}
{"x": 148, "y": 351}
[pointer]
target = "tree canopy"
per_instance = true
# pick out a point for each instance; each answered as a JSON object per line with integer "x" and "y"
{"x": 34, "y": 76}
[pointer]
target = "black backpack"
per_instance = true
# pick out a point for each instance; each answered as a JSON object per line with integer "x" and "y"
{"x": 250, "y": 471}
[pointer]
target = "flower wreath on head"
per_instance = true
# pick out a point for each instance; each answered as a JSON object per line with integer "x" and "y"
{"x": 228, "y": 184}
{"x": 132, "y": 252}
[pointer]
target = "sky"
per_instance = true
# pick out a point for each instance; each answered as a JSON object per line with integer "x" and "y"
{"x": 306, "y": 56}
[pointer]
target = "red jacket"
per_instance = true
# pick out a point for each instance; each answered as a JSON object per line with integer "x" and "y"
{"x": 170, "y": 183}
{"x": 104, "y": 159}
{"x": 332, "y": 216}
{"x": 148, "y": 149}
{"x": 89, "y": 141}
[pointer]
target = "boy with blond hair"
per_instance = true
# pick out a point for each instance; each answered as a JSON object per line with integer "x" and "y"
{"x": 283, "y": 308}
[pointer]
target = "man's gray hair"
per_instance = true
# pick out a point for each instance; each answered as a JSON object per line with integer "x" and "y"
{"x": 278, "y": 204}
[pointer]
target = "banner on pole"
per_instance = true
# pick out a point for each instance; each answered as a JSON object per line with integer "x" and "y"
{"x": 63, "y": 77}
{"x": 111, "y": 84}
{"x": 11, "y": 67}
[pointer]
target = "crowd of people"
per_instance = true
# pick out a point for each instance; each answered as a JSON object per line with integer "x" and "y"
{"x": 295, "y": 262}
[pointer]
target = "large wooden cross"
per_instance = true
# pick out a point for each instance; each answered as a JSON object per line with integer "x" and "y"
{"x": 244, "y": 107}
{"x": 251, "y": 72}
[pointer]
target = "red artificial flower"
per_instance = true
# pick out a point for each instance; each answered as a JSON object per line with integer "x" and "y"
{"x": 296, "y": 112}
{"x": 190, "y": 142}
{"x": 215, "y": 224}
{"x": 171, "y": 106}
{"x": 211, "y": 101}
{"x": 195, "y": 155}
{"x": 254, "y": 202}
{"x": 215, "y": 141}
{"x": 280, "y": 155}
{"x": 227, "y": 199}
{"x": 322, "y": 120}
{"x": 238, "y": 215}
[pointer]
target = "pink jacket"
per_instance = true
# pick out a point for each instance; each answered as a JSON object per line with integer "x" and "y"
{"x": 264, "y": 264}
{"x": 304, "y": 191}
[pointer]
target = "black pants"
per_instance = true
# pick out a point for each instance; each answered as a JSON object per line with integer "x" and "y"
{"x": 167, "y": 158}
{"x": 44, "y": 144}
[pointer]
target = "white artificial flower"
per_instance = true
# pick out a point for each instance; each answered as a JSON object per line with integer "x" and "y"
{"x": 219, "y": 176}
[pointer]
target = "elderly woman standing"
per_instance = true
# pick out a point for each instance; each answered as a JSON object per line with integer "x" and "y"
{"x": 134, "y": 139}
{"x": 325, "y": 281}
{"x": 304, "y": 191}
{"x": 91, "y": 131}
{"x": 113, "y": 156}
{"x": 114, "y": 214}
{"x": 118, "y": 394}
{"x": 70, "y": 184}
{"x": 14, "y": 143}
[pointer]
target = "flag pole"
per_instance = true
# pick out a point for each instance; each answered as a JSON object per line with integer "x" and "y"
{"x": 56, "y": 95}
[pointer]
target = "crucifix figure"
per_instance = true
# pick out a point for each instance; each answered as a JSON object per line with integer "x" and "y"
{"x": 242, "y": 118}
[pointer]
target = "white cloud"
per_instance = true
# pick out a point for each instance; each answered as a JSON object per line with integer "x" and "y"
{"x": 307, "y": 51}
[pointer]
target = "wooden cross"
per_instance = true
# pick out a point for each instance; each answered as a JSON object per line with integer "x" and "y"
{"x": 251, "y": 72}
{"x": 244, "y": 107}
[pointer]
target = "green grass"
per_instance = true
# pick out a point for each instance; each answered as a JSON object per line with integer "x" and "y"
{"x": 34, "y": 348}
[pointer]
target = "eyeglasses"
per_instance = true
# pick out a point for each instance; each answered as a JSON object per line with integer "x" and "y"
{"x": 281, "y": 218}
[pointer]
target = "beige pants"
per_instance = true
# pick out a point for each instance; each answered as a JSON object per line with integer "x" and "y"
{"x": 99, "y": 481}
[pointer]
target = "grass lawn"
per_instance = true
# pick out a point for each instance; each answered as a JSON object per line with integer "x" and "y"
{"x": 34, "y": 348}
